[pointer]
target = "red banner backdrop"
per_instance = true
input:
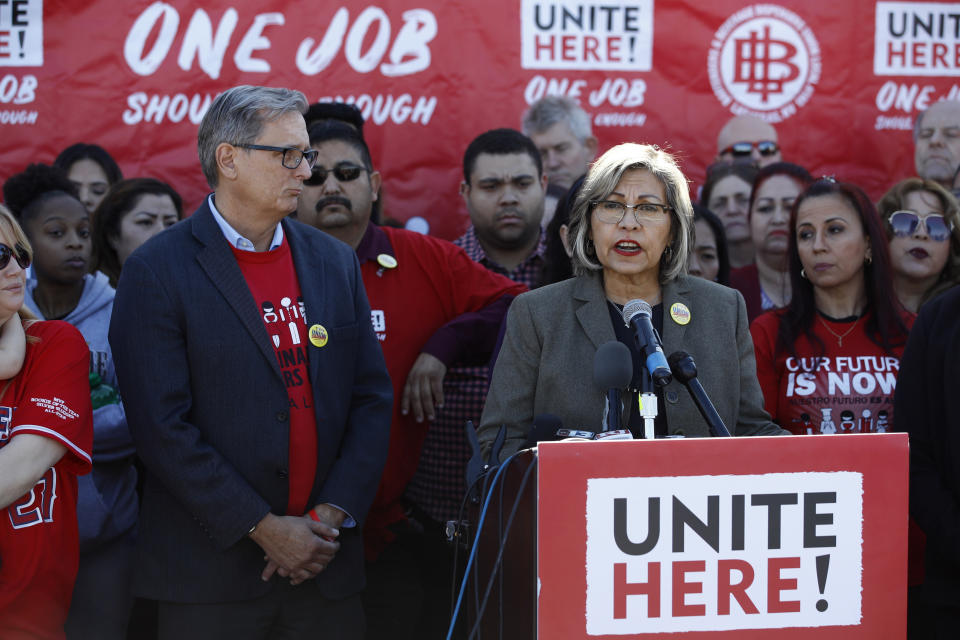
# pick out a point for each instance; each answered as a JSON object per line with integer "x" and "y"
{"x": 842, "y": 81}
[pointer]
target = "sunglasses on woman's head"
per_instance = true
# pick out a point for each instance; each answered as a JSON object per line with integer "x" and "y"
{"x": 19, "y": 254}
{"x": 905, "y": 223}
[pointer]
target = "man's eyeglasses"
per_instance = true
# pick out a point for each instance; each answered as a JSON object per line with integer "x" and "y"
{"x": 292, "y": 157}
{"x": 905, "y": 223}
{"x": 612, "y": 212}
{"x": 19, "y": 253}
{"x": 743, "y": 149}
{"x": 343, "y": 172}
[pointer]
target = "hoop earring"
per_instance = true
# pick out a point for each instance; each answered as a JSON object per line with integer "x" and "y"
{"x": 803, "y": 274}
{"x": 868, "y": 260}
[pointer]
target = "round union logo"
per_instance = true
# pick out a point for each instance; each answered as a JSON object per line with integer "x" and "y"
{"x": 764, "y": 61}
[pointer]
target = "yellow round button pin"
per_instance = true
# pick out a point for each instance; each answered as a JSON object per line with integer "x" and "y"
{"x": 387, "y": 261}
{"x": 318, "y": 335}
{"x": 680, "y": 313}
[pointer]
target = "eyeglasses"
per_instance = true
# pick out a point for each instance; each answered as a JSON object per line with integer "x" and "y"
{"x": 344, "y": 172}
{"x": 743, "y": 149}
{"x": 19, "y": 254}
{"x": 612, "y": 212}
{"x": 292, "y": 157}
{"x": 905, "y": 223}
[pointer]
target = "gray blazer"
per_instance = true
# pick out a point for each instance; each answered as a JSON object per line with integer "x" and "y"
{"x": 546, "y": 363}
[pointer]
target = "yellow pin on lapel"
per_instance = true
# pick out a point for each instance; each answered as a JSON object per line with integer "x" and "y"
{"x": 680, "y": 313}
{"x": 318, "y": 335}
{"x": 387, "y": 261}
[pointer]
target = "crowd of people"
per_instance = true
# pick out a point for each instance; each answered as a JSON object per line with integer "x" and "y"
{"x": 249, "y": 422}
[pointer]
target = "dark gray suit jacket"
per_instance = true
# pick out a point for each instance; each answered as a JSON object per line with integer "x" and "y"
{"x": 209, "y": 411}
{"x": 553, "y": 333}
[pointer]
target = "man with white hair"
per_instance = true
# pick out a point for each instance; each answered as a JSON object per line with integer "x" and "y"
{"x": 561, "y": 131}
{"x": 936, "y": 138}
{"x": 748, "y": 139}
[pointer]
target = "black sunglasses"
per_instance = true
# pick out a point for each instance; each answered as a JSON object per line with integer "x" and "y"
{"x": 19, "y": 254}
{"x": 343, "y": 172}
{"x": 740, "y": 149}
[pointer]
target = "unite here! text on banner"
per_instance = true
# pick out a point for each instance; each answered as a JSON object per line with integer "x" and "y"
{"x": 688, "y": 553}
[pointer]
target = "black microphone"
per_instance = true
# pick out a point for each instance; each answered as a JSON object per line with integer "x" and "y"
{"x": 638, "y": 314}
{"x": 545, "y": 427}
{"x": 685, "y": 371}
{"x": 612, "y": 372}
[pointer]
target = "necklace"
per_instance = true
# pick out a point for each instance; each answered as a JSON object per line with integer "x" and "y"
{"x": 838, "y": 336}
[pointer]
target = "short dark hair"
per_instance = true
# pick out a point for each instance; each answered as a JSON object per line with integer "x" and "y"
{"x": 499, "y": 142}
{"x": 700, "y": 212}
{"x": 118, "y": 202}
{"x": 86, "y": 151}
{"x": 885, "y": 326}
{"x": 341, "y": 111}
{"x": 327, "y": 130}
{"x": 25, "y": 191}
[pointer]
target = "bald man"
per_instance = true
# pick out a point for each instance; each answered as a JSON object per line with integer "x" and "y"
{"x": 748, "y": 139}
{"x": 936, "y": 136}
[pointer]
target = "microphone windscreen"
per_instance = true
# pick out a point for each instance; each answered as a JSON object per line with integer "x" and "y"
{"x": 612, "y": 366}
{"x": 634, "y": 307}
{"x": 676, "y": 357}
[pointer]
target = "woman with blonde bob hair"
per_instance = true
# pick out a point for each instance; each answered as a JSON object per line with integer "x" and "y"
{"x": 922, "y": 221}
{"x": 631, "y": 228}
{"x": 46, "y": 437}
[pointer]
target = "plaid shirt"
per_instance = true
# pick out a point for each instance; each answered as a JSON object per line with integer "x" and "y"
{"x": 439, "y": 486}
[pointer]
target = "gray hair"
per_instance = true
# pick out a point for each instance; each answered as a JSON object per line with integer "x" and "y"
{"x": 549, "y": 110}
{"x": 237, "y": 116}
{"x": 600, "y": 183}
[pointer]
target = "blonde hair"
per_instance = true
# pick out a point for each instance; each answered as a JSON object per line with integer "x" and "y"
{"x": 11, "y": 228}
{"x": 603, "y": 178}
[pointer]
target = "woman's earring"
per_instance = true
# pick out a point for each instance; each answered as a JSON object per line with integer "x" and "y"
{"x": 803, "y": 274}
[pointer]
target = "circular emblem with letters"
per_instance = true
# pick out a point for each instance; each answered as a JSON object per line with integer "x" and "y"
{"x": 318, "y": 335}
{"x": 764, "y": 61}
{"x": 680, "y": 313}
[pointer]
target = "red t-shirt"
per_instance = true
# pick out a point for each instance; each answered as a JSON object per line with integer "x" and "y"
{"x": 848, "y": 390}
{"x": 50, "y": 397}
{"x": 432, "y": 282}
{"x": 273, "y": 282}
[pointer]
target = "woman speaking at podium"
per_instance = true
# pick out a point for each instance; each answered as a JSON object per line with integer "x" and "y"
{"x": 630, "y": 229}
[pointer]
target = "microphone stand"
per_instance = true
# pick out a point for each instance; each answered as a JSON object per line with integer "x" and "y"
{"x": 648, "y": 404}
{"x": 685, "y": 370}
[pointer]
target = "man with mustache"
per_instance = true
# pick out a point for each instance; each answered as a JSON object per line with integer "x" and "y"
{"x": 430, "y": 305}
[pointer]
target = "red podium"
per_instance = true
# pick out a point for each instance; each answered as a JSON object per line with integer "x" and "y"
{"x": 786, "y": 537}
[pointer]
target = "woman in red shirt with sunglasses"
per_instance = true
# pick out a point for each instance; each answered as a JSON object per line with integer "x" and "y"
{"x": 922, "y": 221}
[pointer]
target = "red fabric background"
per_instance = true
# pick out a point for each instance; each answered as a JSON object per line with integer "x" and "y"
{"x": 475, "y": 73}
